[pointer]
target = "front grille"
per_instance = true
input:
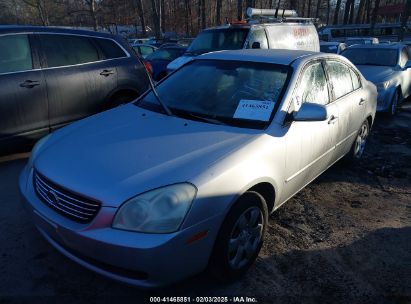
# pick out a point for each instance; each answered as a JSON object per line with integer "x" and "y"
{"x": 65, "y": 202}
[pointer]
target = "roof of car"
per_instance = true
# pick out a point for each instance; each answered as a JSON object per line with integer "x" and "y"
{"x": 377, "y": 46}
{"x": 276, "y": 56}
{"x": 4, "y": 29}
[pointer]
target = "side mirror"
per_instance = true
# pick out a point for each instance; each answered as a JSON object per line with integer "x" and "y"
{"x": 311, "y": 112}
{"x": 256, "y": 45}
{"x": 407, "y": 65}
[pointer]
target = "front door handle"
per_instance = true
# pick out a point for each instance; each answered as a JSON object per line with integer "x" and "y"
{"x": 106, "y": 73}
{"x": 362, "y": 101}
{"x": 332, "y": 119}
{"x": 29, "y": 84}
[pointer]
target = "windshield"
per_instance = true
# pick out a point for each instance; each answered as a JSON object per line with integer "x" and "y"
{"x": 372, "y": 56}
{"x": 224, "y": 92}
{"x": 217, "y": 40}
{"x": 165, "y": 54}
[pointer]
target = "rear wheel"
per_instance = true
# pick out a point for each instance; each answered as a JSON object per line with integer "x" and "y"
{"x": 358, "y": 147}
{"x": 240, "y": 238}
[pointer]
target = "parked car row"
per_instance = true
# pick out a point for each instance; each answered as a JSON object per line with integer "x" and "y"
{"x": 388, "y": 66}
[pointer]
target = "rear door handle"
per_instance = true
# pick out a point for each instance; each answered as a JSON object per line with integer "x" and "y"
{"x": 362, "y": 101}
{"x": 29, "y": 84}
{"x": 106, "y": 73}
{"x": 332, "y": 119}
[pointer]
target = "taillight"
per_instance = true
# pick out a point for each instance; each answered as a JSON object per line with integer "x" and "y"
{"x": 148, "y": 67}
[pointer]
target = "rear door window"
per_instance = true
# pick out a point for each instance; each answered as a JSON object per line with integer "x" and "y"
{"x": 64, "y": 50}
{"x": 355, "y": 80}
{"x": 15, "y": 54}
{"x": 110, "y": 48}
{"x": 340, "y": 78}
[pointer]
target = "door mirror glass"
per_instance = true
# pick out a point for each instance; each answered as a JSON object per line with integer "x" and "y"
{"x": 311, "y": 112}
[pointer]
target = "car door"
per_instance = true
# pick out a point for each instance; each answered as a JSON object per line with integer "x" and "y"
{"x": 350, "y": 102}
{"x": 309, "y": 144}
{"x": 77, "y": 77}
{"x": 23, "y": 96}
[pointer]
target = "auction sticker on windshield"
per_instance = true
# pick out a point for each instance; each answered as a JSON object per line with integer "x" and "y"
{"x": 254, "y": 109}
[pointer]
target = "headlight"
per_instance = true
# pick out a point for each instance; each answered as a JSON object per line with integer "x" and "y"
{"x": 36, "y": 149}
{"x": 160, "y": 210}
{"x": 384, "y": 85}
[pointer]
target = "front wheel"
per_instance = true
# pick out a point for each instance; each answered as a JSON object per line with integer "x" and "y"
{"x": 358, "y": 147}
{"x": 240, "y": 238}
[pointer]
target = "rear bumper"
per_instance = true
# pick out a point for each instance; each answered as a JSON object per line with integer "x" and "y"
{"x": 140, "y": 259}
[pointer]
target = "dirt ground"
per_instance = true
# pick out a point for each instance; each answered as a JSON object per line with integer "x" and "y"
{"x": 346, "y": 238}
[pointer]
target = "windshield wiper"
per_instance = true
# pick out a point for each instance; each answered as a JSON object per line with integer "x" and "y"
{"x": 199, "y": 117}
{"x": 153, "y": 89}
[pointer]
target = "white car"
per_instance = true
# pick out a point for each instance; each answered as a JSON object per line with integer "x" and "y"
{"x": 184, "y": 178}
{"x": 388, "y": 66}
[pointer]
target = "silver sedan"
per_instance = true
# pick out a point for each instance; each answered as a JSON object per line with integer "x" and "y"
{"x": 185, "y": 177}
{"x": 388, "y": 66}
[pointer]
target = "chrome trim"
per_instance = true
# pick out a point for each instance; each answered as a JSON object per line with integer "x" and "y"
{"x": 81, "y": 202}
{"x": 38, "y": 183}
{"x": 57, "y": 207}
{"x": 65, "y": 66}
{"x": 68, "y": 206}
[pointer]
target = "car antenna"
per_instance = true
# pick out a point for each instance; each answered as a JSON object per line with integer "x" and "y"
{"x": 153, "y": 89}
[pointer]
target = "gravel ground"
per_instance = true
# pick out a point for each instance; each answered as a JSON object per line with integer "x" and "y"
{"x": 346, "y": 238}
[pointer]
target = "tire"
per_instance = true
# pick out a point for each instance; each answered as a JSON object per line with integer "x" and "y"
{"x": 358, "y": 146}
{"x": 244, "y": 227}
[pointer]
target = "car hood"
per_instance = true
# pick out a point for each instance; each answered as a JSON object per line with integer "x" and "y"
{"x": 376, "y": 74}
{"x": 126, "y": 151}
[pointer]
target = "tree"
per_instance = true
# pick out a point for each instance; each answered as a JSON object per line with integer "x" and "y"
{"x": 156, "y": 17}
{"x": 92, "y": 9}
{"x": 42, "y": 9}
{"x": 140, "y": 12}
{"x": 347, "y": 10}
{"x": 218, "y": 12}
{"x": 203, "y": 14}
{"x": 360, "y": 13}
{"x": 328, "y": 11}
{"x": 374, "y": 15}
{"x": 337, "y": 11}
{"x": 404, "y": 18}
{"x": 239, "y": 9}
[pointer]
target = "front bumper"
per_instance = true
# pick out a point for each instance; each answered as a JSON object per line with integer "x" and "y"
{"x": 140, "y": 259}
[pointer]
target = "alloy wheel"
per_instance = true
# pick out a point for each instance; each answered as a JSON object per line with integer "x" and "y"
{"x": 361, "y": 141}
{"x": 245, "y": 237}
